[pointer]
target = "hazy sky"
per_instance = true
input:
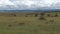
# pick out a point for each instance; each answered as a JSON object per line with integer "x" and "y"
{"x": 29, "y": 4}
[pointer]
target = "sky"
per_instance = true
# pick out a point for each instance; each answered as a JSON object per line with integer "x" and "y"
{"x": 29, "y": 4}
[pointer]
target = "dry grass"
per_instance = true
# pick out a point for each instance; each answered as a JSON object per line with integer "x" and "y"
{"x": 19, "y": 24}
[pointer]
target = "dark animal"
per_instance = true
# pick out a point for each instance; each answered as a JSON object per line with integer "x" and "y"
{"x": 9, "y": 25}
{"x": 36, "y": 15}
{"x": 21, "y": 23}
{"x": 48, "y": 15}
{"x": 56, "y": 15}
{"x": 13, "y": 14}
{"x": 26, "y": 16}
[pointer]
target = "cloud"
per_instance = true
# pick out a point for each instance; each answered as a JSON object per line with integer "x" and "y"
{"x": 6, "y": 2}
{"x": 29, "y": 4}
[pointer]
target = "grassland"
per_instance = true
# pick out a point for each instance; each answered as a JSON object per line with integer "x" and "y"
{"x": 27, "y": 23}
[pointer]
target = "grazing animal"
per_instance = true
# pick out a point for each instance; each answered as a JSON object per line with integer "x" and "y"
{"x": 51, "y": 21}
{"x": 42, "y": 18}
{"x": 46, "y": 23}
{"x": 13, "y": 14}
{"x": 48, "y": 15}
{"x": 21, "y": 23}
{"x": 56, "y": 15}
{"x": 26, "y": 16}
{"x": 36, "y": 15}
{"x": 9, "y": 25}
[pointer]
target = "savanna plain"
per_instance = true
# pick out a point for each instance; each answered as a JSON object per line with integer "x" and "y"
{"x": 30, "y": 23}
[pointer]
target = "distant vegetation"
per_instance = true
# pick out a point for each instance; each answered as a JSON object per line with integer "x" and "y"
{"x": 30, "y": 23}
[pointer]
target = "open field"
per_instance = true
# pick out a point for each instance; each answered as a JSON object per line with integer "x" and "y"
{"x": 28, "y": 23}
